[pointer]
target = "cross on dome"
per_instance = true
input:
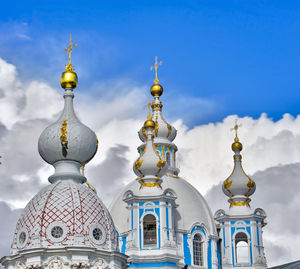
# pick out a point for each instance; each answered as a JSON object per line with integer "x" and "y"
{"x": 69, "y": 49}
{"x": 155, "y": 67}
{"x": 236, "y": 127}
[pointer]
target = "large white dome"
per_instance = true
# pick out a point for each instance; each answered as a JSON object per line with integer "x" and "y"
{"x": 65, "y": 214}
{"x": 192, "y": 207}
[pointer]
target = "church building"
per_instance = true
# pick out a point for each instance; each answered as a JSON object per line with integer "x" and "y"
{"x": 158, "y": 220}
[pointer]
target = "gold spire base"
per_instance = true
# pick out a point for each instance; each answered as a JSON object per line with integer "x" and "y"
{"x": 69, "y": 79}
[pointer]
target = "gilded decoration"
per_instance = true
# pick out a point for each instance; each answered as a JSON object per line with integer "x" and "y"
{"x": 156, "y": 127}
{"x": 69, "y": 78}
{"x": 227, "y": 184}
{"x": 173, "y": 176}
{"x": 138, "y": 164}
{"x": 63, "y": 138}
{"x": 239, "y": 203}
{"x": 150, "y": 184}
{"x": 155, "y": 67}
{"x": 69, "y": 50}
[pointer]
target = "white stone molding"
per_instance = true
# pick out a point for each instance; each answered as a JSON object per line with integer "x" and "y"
{"x": 20, "y": 265}
{"x": 80, "y": 265}
{"x": 99, "y": 264}
{"x": 55, "y": 263}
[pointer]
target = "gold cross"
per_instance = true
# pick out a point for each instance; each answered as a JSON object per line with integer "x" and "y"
{"x": 236, "y": 127}
{"x": 69, "y": 50}
{"x": 155, "y": 67}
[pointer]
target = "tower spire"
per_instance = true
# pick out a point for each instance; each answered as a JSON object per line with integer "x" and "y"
{"x": 68, "y": 144}
{"x": 149, "y": 167}
{"x": 164, "y": 133}
{"x": 238, "y": 186}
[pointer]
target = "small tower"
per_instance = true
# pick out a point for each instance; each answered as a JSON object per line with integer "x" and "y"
{"x": 164, "y": 133}
{"x": 240, "y": 228}
{"x": 66, "y": 225}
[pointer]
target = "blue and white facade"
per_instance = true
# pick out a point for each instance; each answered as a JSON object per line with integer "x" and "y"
{"x": 240, "y": 228}
{"x": 183, "y": 231}
{"x": 246, "y": 229}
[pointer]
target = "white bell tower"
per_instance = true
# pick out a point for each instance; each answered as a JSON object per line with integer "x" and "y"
{"x": 240, "y": 228}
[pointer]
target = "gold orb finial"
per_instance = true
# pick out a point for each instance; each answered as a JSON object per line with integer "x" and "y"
{"x": 156, "y": 89}
{"x": 236, "y": 145}
{"x": 69, "y": 78}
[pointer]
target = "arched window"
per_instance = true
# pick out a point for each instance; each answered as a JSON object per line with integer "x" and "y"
{"x": 168, "y": 158}
{"x": 242, "y": 248}
{"x": 198, "y": 250}
{"x": 149, "y": 228}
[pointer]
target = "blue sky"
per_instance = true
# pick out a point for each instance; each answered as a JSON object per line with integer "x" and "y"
{"x": 219, "y": 57}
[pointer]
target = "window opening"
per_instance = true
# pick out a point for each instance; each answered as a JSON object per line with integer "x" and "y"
{"x": 198, "y": 250}
{"x": 168, "y": 158}
{"x": 97, "y": 233}
{"x": 57, "y": 232}
{"x": 150, "y": 234}
{"x": 22, "y": 238}
{"x": 241, "y": 248}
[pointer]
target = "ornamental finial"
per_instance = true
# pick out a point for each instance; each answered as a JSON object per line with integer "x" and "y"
{"x": 155, "y": 67}
{"x": 236, "y": 127}
{"x": 69, "y": 49}
{"x": 69, "y": 78}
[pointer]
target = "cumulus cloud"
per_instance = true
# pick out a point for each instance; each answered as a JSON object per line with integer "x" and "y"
{"x": 7, "y": 226}
{"x": 111, "y": 175}
{"x": 204, "y": 155}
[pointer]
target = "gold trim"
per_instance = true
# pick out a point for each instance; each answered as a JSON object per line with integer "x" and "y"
{"x": 150, "y": 184}
{"x": 90, "y": 187}
{"x": 156, "y": 127}
{"x": 63, "y": 138}
{"x": 138, "y": 164}
{"x": 173, "y": 176}
{"x": 163, "y": 151}
{"x": 239, "y": 203}
{"x": 82, "y": 169}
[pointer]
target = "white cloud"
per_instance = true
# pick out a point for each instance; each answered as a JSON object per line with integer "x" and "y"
{"x": 204, "y": 155}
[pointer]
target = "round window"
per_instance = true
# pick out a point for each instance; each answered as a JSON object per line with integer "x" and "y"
{"x": 97, "y": 234}
{"x": 22, "y": 238}
{"x": 57, "y": 232}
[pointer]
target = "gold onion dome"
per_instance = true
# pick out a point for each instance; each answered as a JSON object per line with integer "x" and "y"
{"x": 69, "y": 79}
